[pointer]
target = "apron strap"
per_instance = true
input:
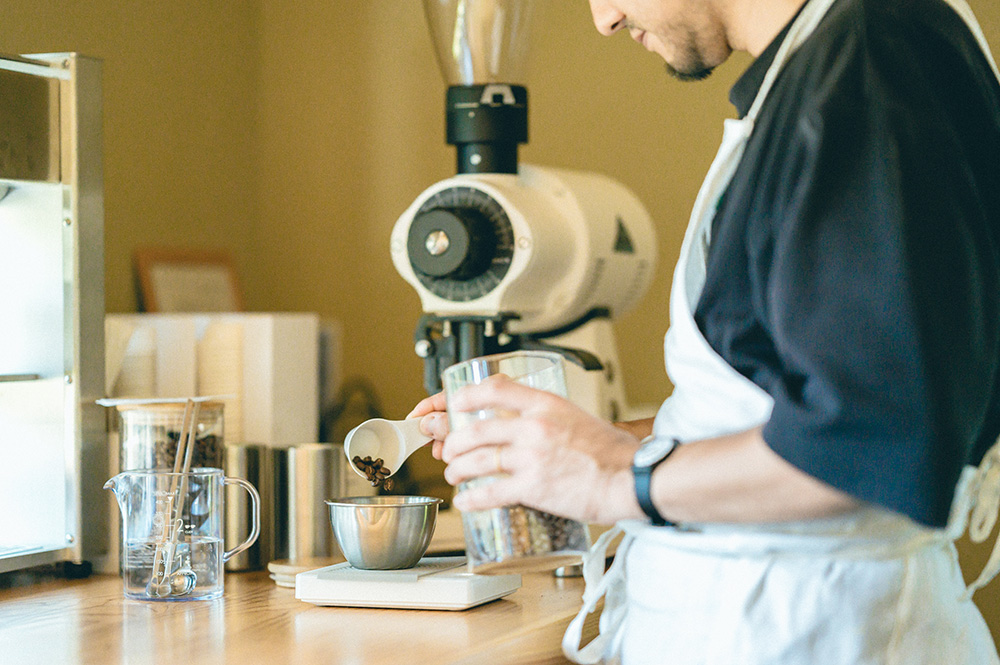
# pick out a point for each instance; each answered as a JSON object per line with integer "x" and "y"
{"x": 803, "y": 26}
{"x": 609, "y": 585}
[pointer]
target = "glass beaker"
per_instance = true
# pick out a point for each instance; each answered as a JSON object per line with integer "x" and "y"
{"x": 514, "y": 538}
{"x": 149, "y": 434}
{"x": 172, "y": 524}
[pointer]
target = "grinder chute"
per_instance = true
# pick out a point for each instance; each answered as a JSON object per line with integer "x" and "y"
{"x": 505, "y": 255}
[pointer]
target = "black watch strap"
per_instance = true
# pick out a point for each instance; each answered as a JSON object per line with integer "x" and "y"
{"x": 643, "y": 476}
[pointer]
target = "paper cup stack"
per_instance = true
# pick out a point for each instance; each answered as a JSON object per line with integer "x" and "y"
{"x": 220, "y": 371}
{"x": 137, "y": 377}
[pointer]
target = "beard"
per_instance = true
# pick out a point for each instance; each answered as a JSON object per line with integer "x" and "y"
{"x": 691, "y": 64}
{"x": 694, "y": 67}
{"x": 688, "y": 75}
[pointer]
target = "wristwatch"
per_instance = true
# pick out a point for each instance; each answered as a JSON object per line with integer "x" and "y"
{"x": 650, "y": 455}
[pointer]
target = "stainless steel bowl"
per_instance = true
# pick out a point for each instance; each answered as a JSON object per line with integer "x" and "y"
{"x": 383, "y": 532}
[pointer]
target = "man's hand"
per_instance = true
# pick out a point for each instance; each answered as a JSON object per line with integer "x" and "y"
{"x": 553, "y": 455}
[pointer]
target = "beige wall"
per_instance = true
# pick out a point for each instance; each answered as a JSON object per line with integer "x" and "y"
{"x": 294, "y": 133}
{"x": 180, "y": 119}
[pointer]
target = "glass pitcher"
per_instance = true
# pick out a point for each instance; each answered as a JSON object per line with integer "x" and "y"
{"x": 172, "y": 532}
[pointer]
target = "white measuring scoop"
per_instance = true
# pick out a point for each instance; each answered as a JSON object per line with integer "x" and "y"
{"x": 391, "y": 440}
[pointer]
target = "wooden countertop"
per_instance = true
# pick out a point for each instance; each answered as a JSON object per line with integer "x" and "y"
{"x": 90, "y": 621}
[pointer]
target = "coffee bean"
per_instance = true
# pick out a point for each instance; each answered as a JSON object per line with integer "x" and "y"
{"x": 207, "y": 451}
{"x": 374, "y": 470}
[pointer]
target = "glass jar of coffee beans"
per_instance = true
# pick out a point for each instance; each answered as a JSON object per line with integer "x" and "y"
{"x": 149, "y": 434}
{"x": 516, "y": 539}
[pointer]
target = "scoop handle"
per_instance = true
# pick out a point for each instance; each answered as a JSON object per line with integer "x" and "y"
{"x": 413, "y": 438}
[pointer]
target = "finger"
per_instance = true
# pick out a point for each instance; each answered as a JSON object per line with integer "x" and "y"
{"x": 436, "y": 449}
{"x": 435, "y": 425}
{"x": 427, "y": 405}
{"x": 500, "y": 393}
{"x": 476, "y": 434}
{"x": 484, "y": 461}
{"x": 494, "y": 431}
{"x": 479, "y": 462}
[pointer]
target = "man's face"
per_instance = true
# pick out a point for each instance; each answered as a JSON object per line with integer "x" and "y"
{"x": 685, "y": 33}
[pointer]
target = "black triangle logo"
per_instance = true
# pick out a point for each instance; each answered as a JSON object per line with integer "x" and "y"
{"x": 623, "y": 242}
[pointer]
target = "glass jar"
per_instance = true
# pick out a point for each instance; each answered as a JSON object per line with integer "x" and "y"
{"x": 514, "y": 539}
{"x": 149, "y": 434}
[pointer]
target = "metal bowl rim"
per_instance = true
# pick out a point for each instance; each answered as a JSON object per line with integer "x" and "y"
{"x": 390, "y": 501}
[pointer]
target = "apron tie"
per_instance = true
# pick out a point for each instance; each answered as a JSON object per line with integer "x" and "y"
{"x": 977, "y": 507}
{"x": 599, "y": 584}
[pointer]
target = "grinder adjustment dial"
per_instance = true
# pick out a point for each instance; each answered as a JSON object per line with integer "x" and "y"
{"x": 460, "y": 244}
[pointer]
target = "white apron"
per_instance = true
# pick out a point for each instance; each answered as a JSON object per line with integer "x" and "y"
{"x": 867, "y": 588}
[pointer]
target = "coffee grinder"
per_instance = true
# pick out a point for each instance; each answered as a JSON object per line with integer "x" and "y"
{"x": 508, "y": 256}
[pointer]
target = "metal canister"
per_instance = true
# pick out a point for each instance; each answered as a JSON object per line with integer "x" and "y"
{"x": 252, "y": 462}
{"x": 303, "y": 477}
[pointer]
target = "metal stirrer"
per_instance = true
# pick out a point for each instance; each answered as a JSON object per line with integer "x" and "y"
{"x": 163, "y": 581}
{"x": 182, "y": 580}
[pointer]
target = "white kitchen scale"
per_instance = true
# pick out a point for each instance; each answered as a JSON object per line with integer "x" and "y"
{"x": 435, "y": 583}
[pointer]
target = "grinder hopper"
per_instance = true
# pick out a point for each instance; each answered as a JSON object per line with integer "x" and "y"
{"x": 480, "y": 41}
{"x": 482, "y": 48}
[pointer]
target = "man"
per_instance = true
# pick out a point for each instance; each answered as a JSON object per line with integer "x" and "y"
{"x": 834, "y": 347}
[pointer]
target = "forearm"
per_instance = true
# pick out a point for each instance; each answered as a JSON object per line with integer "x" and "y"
{"x": 640, "y": 429}
{"x": 737, "y": 478}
